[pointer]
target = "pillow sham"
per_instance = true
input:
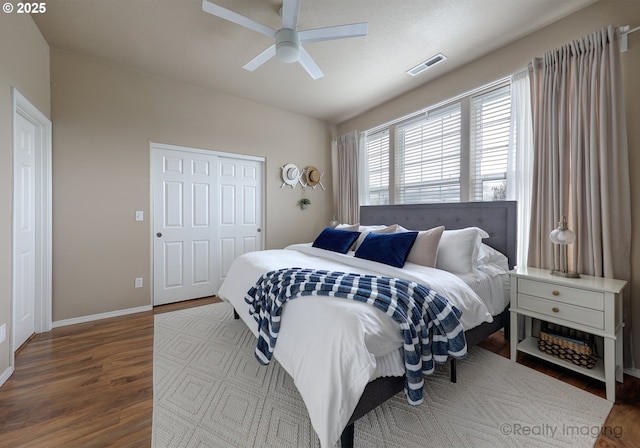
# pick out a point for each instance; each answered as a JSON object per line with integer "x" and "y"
{"x": 425, "y": 249}
{"x": 388, "y": 248}
{"x": 335, "y": 240}
{"x": 458, "y": 250}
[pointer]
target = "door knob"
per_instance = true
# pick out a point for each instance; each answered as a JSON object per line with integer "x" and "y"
{"x": 259, "y": 230}
{"x": 159, "y": 234}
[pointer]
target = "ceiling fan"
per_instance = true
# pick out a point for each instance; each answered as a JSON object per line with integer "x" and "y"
{"x": 288, "y": 41}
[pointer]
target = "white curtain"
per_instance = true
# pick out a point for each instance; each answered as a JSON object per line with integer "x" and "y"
{"x": 347, "y": 185}
{"x": 581, "y": 163}
{"x": 520, "y": 159}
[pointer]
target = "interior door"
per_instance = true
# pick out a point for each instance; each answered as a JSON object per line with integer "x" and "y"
{"x": 240, "y": 210}
{"x": 184, "y": 225}
{"x": 24, "y": 251}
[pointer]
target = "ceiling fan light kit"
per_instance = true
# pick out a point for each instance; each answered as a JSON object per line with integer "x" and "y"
{"x": 288, "y": 40}
{"x": 287, "y": 45}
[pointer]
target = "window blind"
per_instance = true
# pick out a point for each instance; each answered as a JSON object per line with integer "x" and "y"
{"x": 489, "y": 140}
{"x": 377, "y": 153}
{"x": 428, "y": 157}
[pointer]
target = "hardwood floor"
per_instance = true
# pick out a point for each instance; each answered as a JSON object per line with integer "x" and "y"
{"x": 90, "y": 385}
{"x": 84, "y": 385}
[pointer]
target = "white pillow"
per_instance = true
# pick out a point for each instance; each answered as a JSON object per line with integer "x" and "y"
{"x": 458, "y": 250}
{"x": 352, "y": 227}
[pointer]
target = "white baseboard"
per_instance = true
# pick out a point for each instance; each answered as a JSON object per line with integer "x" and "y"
{"x": 5, "y": 375}
{"x": 92, "y": 317}
{"x": 632, "y": 372}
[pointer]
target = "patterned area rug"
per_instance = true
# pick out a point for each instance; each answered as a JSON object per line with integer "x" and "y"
{"x": 209, "y": 391}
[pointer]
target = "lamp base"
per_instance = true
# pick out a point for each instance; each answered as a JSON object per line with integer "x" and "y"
{"x": 565, "y": 274}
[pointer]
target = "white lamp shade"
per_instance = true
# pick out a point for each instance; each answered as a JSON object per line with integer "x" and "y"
{"x": 560, "y": 236}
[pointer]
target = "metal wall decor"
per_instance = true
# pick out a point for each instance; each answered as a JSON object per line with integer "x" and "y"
{"x": 309, "y": 177}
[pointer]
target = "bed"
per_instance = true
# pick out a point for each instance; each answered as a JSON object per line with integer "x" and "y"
{"x": 337, "y": 393}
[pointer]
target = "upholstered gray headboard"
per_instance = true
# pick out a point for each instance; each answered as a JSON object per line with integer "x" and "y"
{"x": 498, "y": 219}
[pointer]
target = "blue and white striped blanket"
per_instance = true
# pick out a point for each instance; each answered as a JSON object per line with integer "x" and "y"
{"x": 429, "y": 323}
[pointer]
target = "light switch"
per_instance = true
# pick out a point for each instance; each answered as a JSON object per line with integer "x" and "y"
{"x": 139, "y": 215}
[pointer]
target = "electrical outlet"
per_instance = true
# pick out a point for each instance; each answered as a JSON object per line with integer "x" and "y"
{"x": 139, "y": 282}
{"x": 3, "y": 332}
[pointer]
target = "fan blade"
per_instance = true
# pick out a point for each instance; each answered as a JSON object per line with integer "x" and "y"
{"x": 236, "y": 18}
{"x": 309, "y": 64}
{"x": 290, "y": 10}
{"x": 334, "y": 32}
{"x": 260, "y": 59}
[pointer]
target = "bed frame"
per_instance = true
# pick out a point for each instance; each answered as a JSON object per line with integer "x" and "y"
{"x": 498, "y": 219}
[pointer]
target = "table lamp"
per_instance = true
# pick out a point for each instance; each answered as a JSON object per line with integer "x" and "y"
{"x": 562, "y": 236}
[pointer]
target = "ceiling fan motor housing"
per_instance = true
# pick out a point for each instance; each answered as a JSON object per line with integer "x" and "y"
{"x": 287, "y": 45}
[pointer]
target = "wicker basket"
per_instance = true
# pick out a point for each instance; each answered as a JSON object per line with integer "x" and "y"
{"x": 579, "y": 352}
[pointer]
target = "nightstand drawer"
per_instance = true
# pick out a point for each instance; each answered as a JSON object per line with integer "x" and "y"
{"x": 562, "y": 294}
{"x": 562, "y": 310}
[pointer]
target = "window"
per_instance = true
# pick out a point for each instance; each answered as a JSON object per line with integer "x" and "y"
{"x": 455, "y": 152}
{"x": 428, "y": 158}
{"x": 377, "y": 161}
{"x": 490, "y": 126}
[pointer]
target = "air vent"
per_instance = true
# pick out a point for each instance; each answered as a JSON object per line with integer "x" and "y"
{"x": 433, "y": 60}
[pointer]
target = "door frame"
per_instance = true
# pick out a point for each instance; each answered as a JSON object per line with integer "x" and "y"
{"x": 43, "y": 215}
{"x": 160, "y": 146}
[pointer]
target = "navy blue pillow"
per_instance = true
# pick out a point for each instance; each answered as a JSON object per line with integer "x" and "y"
{"x": 388, "y": 248}
{"x": 336, "y": 240}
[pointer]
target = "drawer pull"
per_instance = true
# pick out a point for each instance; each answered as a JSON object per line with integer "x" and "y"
{"x": 555, "y": 309}
{"x": 556, "y": 293}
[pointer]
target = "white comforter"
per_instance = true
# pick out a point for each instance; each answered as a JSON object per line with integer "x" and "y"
{"x": 329, "y": 346}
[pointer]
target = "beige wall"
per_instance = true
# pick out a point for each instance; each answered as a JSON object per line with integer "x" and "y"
{"x": 515, "y": 57}
{"x": 24, "y": 57}
{"x": 103, "y": 120}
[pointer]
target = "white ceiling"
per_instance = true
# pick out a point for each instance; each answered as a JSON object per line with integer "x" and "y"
{"x": 175, "y": 39}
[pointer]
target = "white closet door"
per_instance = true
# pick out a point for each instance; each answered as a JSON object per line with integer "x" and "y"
{"x": 184, "y": 226}
{"x": 240, "y": 210}
{"x": 207, "y": 211}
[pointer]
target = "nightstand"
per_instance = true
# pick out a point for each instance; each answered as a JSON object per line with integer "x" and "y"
{"x": 589, "y": 304}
